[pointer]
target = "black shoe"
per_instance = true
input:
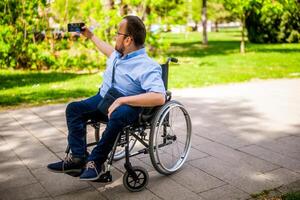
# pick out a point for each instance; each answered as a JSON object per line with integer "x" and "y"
{"x": 69, "y": 165}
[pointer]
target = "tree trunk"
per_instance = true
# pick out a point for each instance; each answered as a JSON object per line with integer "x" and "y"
{"x": 195, "y": 28}
{"x": 242, "y": 47}
{"x": 204, "y": 22}
{"x": 216, "y": 26}
{"x": 66, "y": 12}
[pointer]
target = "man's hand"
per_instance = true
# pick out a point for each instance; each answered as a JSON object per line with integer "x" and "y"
{"x": 87, "y": 33}
{"x": 118, "y": 102}
{"x": 148, "y": 99}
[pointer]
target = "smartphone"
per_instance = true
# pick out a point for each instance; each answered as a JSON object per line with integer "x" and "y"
{"x": 75, "y": 27}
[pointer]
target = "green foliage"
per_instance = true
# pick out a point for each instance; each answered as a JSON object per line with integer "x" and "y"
{"x": 20, "y": 21}
{"x": 198, "y": 66}
{"x": 216, "y": 11}
{"x": 273, "y": 21}
{"x": 291, "y": 196}
{"x": 196, "y": 10}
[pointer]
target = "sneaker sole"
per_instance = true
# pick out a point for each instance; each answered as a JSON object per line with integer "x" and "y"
{"x": 91, "y": 179}
{"x": 65, "y": 171}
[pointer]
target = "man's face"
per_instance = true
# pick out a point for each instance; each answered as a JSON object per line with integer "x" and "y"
{"x": 121, "y": 37}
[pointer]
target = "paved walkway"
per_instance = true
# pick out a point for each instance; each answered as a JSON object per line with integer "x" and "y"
{"x": 246, "y": 138}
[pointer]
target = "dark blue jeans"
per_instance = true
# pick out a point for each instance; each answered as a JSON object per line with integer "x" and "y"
{"x": 78, "y": 113}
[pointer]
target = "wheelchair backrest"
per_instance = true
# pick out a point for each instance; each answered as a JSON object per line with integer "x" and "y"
{"x": 165, "y": 70}
{"x": 165, "y": 73}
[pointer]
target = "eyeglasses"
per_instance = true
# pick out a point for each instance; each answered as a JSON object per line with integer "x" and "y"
{"x": 122, "y": 34}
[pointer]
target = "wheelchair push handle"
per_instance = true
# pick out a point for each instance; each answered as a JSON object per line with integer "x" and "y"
{"x": 171, "y": 59}
{"x": 165, "y": 70}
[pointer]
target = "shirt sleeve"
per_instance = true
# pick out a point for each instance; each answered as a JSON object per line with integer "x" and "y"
{"x": 151, "y": 81}
{"x": 111, "y": 58}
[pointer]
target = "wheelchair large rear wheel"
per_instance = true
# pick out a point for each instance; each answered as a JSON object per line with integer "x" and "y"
{"x": 170, "y": 138}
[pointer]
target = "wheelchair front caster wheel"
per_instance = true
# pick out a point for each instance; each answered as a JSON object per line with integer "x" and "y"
{"x": 137, "y": 181}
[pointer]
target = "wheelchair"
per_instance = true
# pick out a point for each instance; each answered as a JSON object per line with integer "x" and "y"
{"x": 163, "y": 131}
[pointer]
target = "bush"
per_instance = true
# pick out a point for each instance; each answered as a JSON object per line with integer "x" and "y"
{"x": 273, "y": 21}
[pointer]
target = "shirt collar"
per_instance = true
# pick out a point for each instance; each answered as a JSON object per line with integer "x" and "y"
{"x": 132, "y": 54}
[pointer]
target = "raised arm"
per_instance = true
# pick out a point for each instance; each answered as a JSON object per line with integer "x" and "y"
{"x": 104, "y": 47}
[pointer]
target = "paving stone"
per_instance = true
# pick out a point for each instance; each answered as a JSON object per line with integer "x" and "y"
{"x": 286, "y": 148}
{"x": 226, "y": 120}
{"x": 90, "y": 194}
{"x": 141, "y": 162}
{"x": 236, "y": 157}
{"x": 195, "y": 154}
{"x": 225, "y": 136}
{"x": 273, "y": 157}
{"x": 293, "y": 141}
{"x": 15, "y": 134}
{"x": 116, "y": 190}
{"x": 166, "y": 188}
{"x": 5, "y": 120}
{"x": 195, "y": 179}
{"x": 34, "y": 154}
{"x": 55, "y": 142}
{"x": 226, "y": 192}
{"x": 116, "y": 175}
{"x": 33, "y": 123}
{"x": 198, "y": 140}
{"x": 32, "y": 191}
{"x": 59, "y": 183}
{"x": 282, "y": 176}
{"x": 6, "y": 152}
{"x": 14, "y": 174}
{"x": 50, "y": 110}
{"x": 54, "y": 114}
{"x": 244, "y": 178}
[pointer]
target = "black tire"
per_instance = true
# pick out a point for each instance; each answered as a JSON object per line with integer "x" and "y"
{"x": 164, "y": 134}
{"x": 139, "y": 184}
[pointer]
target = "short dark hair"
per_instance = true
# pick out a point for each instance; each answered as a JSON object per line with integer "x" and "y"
{"x": 136, "y": 28}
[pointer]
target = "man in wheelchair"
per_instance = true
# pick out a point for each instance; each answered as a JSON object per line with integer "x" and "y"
{"x": 136, "y": 79}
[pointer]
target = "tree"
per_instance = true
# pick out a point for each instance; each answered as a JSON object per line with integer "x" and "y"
{"x": 239, "y": 9}
{"x": 204, "y": 22}
{"x": 157, "y": 13}
{"x": 273, "y": 21}
{"x": 217, "y": 12}
{"x": 195, "y": 15}
{"x": 21, "y": 22}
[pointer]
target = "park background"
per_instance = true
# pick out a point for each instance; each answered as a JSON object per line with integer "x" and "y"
{"x": 215, "y": 41}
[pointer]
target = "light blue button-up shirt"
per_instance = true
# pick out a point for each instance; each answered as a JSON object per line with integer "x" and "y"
{"x": 135, "y": 73}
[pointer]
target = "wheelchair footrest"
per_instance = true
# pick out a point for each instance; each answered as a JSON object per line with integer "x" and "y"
{"x": 105, "y": 178}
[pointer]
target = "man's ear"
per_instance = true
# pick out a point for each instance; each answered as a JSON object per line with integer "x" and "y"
{"x": 129, "y": 40}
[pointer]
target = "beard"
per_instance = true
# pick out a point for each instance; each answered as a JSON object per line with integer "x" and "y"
{"x": 120, "y": 49}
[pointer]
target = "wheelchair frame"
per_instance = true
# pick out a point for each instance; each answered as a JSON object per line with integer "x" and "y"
{"x": 136, "y": 178}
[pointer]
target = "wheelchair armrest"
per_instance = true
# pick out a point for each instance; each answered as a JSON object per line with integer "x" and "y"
{"x": 147, "y": 114}
{"x": 168, "y": 95}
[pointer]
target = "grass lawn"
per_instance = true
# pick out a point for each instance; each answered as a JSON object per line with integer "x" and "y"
{"x": 198, "y": 66}
{"x": 221, "y": 61}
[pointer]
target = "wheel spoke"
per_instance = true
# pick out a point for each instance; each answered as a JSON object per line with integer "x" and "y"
{"x": 139, "y": 174}
{"x": 131, "y": 181}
